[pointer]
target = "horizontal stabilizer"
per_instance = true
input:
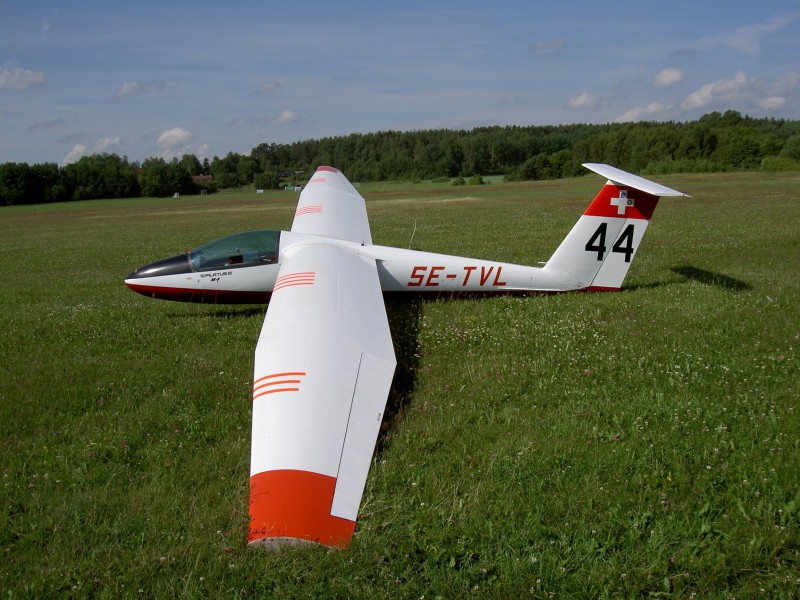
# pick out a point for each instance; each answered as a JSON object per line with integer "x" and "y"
{"x": 625, "y": 179}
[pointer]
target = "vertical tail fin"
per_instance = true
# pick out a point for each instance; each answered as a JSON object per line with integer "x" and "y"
{"x": 599, "y": 250}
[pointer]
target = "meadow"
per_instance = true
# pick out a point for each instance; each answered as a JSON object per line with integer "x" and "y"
{"x": 640, "y": 443}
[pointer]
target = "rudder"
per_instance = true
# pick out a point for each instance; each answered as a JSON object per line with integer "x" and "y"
{"x": 600, "y": 248}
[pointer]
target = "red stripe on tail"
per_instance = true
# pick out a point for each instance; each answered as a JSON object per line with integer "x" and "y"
{"x": 622, "y": 202}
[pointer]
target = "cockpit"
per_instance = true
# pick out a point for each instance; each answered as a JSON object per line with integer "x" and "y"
{"x": 246, "y": 249}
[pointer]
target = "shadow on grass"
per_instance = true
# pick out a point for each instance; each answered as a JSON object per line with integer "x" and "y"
{"x": 711, "y": 278}
{"x": 645, "y": 286}
{"x": 694, "y": 274}
{"x": 225, "y": 311}
{"x": 404, "y": 318}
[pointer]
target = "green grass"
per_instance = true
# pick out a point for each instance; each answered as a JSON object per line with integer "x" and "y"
{"x": 582, "y": 445}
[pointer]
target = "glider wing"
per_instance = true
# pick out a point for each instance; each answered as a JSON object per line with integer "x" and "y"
{"x": 323, "y": 368}
{"x": 330, "y": 206}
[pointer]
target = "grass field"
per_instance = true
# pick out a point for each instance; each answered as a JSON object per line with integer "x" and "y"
{"x": 643, "y": 443}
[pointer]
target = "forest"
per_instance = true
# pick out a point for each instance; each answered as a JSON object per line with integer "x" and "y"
{"x": 716, "y": 142}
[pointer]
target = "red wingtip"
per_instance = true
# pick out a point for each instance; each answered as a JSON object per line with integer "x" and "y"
{"x": 296, "y": 504}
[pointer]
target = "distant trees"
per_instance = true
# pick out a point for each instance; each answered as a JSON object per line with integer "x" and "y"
{"x": 715, "y": 142}
{"x": 159, "y": 178}
{"x": 23, "y": 184}
{"x": 100, "y": 176}
{"x": 791, "y": 149}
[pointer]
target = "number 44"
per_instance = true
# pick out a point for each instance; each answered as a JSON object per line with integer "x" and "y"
{"x": 623, "y": 245}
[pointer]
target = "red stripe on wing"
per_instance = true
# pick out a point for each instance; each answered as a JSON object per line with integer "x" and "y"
{"x": 308, "y": 210}
{"x": 277, "y": 382}
{"x": 292, "y": 279}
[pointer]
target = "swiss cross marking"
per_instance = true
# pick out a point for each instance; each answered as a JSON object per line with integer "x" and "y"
{"x": 622, "y": 202}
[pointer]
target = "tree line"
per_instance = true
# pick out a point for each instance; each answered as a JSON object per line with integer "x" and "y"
{"x": 716, "y": 142}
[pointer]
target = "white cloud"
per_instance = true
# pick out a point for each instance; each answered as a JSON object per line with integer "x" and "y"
{"x": 105, "y": 144}
{"x": 201, "y": 151}
{"x": 268, "y": 88}
{"x": 668, "y": 77}
{"x": 100, "y": 146}
{"x": 772, "y": 102}
{"x": 19, "y": 79}
{"x": 583, "y": 100}
{"x": 637, "y": 114}
{"x": 286, "y": 116}
{"x": 131, "y": 88}
{"x": 747, "y": 39}
{"x": 724, "y": 89}
{"x": 786, "y": 84}
{"x": 744, "y": 92}
{"x": 77, "y": 151}
{"x": 777, "y": 94}
{"x": 174, "y": 143}
{"x": 171, "y": 138}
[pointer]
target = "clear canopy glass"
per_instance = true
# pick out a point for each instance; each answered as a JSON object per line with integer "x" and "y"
{"x": 246, "y": 249}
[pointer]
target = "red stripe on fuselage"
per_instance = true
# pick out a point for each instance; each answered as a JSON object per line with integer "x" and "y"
{"x": 239, "y": 297}
{"x": 201, "y": 296}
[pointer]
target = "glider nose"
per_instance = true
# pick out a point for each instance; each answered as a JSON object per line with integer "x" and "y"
{"x": 175, "y": 265}
{"x": 162, "y": 279}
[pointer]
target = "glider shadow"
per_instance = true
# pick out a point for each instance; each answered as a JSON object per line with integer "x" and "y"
{"x": 694, "y": 274}
{"x": 711, "y": 278}
{"x": 404, "y": 319}
{"x": 226, "y": 311}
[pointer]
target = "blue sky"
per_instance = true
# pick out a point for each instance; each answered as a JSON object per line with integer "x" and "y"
{"x": 148, "y": 78}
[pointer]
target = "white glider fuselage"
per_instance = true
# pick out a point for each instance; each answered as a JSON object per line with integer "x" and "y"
{"x": 417, "y": 272}
{"x": 400, "y": 272}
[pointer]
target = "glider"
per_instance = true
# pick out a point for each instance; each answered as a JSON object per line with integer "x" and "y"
{"x": 324, "y": 360}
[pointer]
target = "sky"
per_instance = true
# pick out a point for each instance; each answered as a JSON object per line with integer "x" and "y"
{"x": 166, "y": 78}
